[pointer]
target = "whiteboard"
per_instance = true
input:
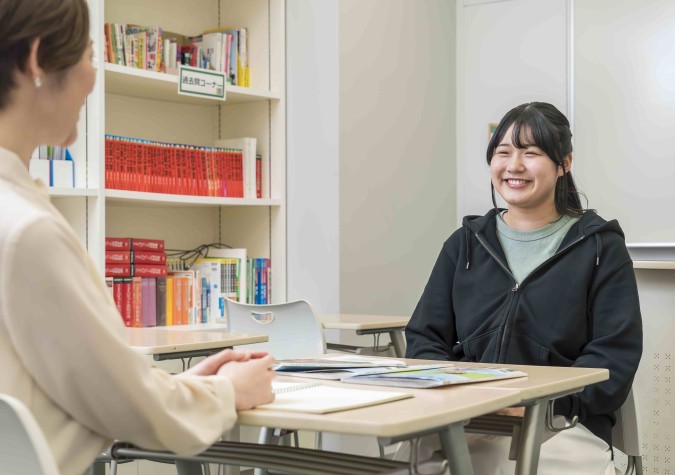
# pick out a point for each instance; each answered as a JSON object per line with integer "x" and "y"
{"x": 625, "y": 113}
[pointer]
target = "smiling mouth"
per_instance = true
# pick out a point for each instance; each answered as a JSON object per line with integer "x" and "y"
{"x": 516, "y": 181}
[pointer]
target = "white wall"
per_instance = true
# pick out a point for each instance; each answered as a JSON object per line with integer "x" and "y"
{"x": 397, "y": 183}
{"x": 508, "y": 53}
{"x": 312, "y": 151}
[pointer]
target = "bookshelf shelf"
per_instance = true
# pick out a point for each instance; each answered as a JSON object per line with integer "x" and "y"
{"x": 74, "y": 192}
{"x": 133, "y": 82}
{"x": 160, "y": 199}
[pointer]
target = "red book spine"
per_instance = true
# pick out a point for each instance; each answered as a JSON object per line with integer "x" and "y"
{"x": 148, "y": 270}
{"x": 127, "y": 302}
{"x": 118, "y": 270}
{"x": 175, "y": 160}
{"x": 148, "y": 257}
{"x": 117, "y": 244}
{"x": 118, "y": 285}
{"x": 201, "y": 188}
{"x": 138, "y": 244}
{"x": 239, "y": 167}
{"x": 109, "y": 163}
{"x": 117, "y": 257}
{"x": 221, "y": 174}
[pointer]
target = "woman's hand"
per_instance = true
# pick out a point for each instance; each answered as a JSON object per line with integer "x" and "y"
{"x": 210, "y": 365}
{"x": 251, "y": 379}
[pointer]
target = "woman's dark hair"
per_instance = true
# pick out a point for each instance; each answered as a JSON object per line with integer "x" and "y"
{"x": 62, "y": 27}
{"x": 549, "y": 130}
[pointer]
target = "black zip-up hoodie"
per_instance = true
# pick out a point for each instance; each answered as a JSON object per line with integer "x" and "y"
{"x": 579, "y": 308}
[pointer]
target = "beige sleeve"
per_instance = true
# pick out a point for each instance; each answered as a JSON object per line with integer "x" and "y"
{"x": 65, "y": 329}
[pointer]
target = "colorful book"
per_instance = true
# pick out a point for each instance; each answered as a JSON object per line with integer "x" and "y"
{"x": 160, "y": 301}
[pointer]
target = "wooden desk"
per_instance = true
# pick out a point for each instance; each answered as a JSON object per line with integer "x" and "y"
{"x": 543, "y": 383}
{"x": 185, "y": 341}
{"x": 443, "y": 411}
{"x": 446, "y": 410}
{"x": 369, "y": 325}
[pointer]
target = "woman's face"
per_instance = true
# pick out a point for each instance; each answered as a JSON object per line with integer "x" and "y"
{"x": 524, "y": 177}
{"x": 61, "y": 100}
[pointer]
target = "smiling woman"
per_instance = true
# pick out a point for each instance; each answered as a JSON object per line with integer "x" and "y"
{"x": 543, "y": 282}
{"x": 530, "y": 157}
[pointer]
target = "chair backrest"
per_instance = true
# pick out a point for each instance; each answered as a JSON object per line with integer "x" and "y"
{"x": 23, "y": 447}
{"x": 292, "y": 327}
{"x": 626, "y": 431}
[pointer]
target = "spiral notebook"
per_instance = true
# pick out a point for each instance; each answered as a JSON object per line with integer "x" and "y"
{"x": 318, "y": 398}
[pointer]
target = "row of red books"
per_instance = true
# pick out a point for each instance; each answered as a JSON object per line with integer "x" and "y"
{"x": 157, "y": 167}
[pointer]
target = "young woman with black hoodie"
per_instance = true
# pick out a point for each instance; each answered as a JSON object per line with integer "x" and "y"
{"x": 543, "y": 282}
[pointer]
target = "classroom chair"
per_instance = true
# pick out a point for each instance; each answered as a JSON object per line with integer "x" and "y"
{"x": 23, "y": 447}
{"x": 292, "y": 327}
{"x": 293, "y": 331}
{"x": 626, "y": 434}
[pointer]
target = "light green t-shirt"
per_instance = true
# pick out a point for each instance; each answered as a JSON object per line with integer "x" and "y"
{"x": 525, "y": 250}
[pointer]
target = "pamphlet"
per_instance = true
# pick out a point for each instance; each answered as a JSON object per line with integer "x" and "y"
{"x": 335, "y": 367}
{"x": 417, "y": 377}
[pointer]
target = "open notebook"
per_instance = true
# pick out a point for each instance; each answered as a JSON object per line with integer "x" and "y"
{"x": 317, "y": 398}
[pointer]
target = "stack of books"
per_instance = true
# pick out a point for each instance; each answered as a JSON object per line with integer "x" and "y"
{"x": 135, "y": 270}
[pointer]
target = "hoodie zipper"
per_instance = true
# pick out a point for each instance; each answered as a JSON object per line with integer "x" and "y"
{"x": 516, "y": 288}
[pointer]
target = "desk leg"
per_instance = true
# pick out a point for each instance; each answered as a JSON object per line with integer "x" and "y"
{"x": 188, "y": 468}
{"x": 456, "y": 450}
{"x": 398, "y": 340}
{"x": 530, "y": 442}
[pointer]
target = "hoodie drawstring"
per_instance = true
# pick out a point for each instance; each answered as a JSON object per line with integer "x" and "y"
{"x": 598, "y": 248}
{"x": 467, "y": 235}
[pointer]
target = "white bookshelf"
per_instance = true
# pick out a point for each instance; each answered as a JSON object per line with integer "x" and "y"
{"x": 162, "y": 87}
{"x": 144, "y": 104}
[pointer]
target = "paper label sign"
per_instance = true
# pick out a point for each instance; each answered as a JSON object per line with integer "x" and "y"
{"x": 201, "y": 83}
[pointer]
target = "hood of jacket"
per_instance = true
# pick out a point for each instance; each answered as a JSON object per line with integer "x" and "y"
{"x": 589, "y": 225}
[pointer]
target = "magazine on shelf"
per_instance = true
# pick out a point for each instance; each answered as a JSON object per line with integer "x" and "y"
{"x": 416, "y": 377}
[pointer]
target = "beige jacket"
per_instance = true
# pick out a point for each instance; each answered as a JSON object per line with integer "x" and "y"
{"x": 60, "y": 352}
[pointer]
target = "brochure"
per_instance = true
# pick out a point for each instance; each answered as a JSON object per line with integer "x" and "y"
{"x": 335, "y": 367}
{"x": 415, "y": 377}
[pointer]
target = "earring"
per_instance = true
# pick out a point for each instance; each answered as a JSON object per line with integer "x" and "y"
{"x": 37, "y": 80}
